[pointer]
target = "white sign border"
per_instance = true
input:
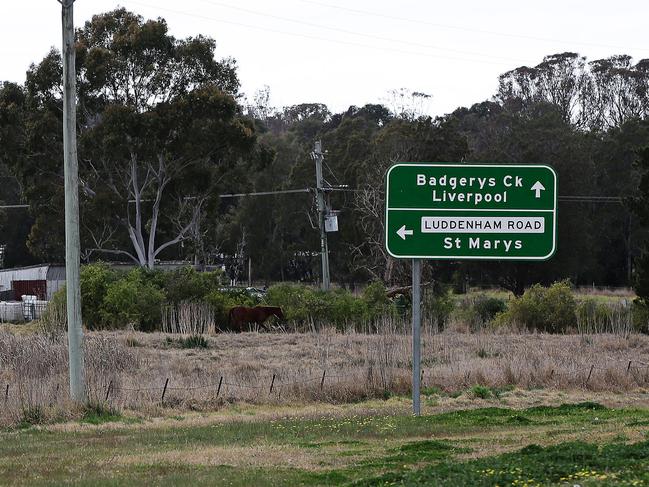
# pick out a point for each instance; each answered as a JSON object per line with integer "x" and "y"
{"x": 468, "y": 257}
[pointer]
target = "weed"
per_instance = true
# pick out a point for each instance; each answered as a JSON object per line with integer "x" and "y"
{"x": 98, "y": 413}
{"x": 132, "y": 342}
{"x": 31, "y": 415}
{"x": 193, "y": 341}
{"x": 481, "y": 391}
{"x": 431, "y": 391}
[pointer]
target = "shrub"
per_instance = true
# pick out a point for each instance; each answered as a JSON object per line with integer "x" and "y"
{"x": 134, "y": 301}
{"x": 487, "y": 307}
{"x": 186, "y": 284}
{"x": 95, "y": 280}
{"x": 438, "y": 307}
{"x": 376, "y": 301}
{"x": 640, "y": 316}
{"x": 477, "y": 311}
{"x": 293, "y": 301}
{"x": 302, "y": 304}
{"x": 31, "y": 415}
{"x": 549, "y": 309}
{"x": 193, "y": 341}
{"x": 481, "y": 392}
{"x": 344, "y": 308}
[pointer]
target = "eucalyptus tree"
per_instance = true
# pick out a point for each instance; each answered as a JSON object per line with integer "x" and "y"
{"x": 159, "y": 126}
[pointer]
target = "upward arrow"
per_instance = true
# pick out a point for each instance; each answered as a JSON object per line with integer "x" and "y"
{"x": 538, "y": 187}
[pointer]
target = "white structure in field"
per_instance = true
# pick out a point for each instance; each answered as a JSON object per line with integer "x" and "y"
{"x": 41, "y": 280}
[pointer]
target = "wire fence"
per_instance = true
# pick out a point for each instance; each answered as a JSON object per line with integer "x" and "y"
{"x": 273, "y": 384}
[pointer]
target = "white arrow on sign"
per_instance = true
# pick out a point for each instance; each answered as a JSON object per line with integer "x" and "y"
{"x": 402, "y": 232}
{"x": 538, "y": 187}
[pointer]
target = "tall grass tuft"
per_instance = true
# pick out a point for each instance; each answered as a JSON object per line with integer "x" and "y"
{"x": 189, "y": 318}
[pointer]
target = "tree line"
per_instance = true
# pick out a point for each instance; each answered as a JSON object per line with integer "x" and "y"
{"x": 164, "y": 131}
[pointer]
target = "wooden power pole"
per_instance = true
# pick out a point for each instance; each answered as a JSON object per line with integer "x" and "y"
{"x": 322, "y": 210}
{"x": 71, "y": 174}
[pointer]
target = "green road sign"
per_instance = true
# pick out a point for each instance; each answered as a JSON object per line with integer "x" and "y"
{"x": 471, "y": 211}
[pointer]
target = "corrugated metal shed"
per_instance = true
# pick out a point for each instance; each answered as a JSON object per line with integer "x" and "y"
{"x": 43, "y": 279}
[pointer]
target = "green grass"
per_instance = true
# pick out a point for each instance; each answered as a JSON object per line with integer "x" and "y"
{"x": 101, "y": 413}
{"x": 355, "y": 449}
{"x": 567, "y": 463}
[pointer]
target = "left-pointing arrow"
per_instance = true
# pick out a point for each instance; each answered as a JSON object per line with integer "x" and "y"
{"x": 402, "y": 232}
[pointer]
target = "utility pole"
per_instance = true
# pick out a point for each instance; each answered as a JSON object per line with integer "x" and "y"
{"x": 71, "y": 174}
{"x": 249, "y": 271}
{"x": 322, "y": 210}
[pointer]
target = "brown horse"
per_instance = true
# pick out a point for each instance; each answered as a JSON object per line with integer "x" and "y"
{"x": 240, "y": 316}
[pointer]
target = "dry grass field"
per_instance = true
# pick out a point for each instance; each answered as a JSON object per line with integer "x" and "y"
{"x": 326, "y": 408}
{"x": 127, "y": 371}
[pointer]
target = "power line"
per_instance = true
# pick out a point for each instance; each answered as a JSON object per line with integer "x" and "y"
{"x": 592, "y": 199}
{"x": 319, "y": 38}
{"x": 359, "y": 34}
{"x": 567, "y": 198}
{"x": 266, "y": 193}
{"x": 465, "y": 29}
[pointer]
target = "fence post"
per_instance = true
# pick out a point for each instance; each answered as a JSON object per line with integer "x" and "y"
{"x": 110, "y": 385}
{"x": 323, "y": 378}
{"x": 219, "y": 388}
{"x": 164, "y": 391}
{"x": 7, "y": 394}
{"x": 589, "y": 373}
{"x": 272, "y": 382}
{"x": 628, "y": 367}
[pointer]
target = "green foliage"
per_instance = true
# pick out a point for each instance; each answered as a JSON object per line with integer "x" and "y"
{"x": 113, "y": 299}
{"x": 186, "y": 284}
{"x": 339, "y": 307}
{"x": 482, "y": 392}
{"x": 487, "y": 307}
{"x": 132, "y": 300}
{"x": 376, "y": 301}
{"x": 438, "y": 306}
{"x": 547, "y": 309}
{"x": 641, "y": 281}
{"x": 640, "y": 316}
{"x": 95, "y": 281}
{"x": 478, "y": 311}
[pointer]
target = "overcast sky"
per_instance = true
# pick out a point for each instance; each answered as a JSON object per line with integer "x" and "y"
{"x": 353, "y": 52}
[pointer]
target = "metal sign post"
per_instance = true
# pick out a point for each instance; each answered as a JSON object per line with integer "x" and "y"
{"x": 466, "y": 211}
{"x": 416, "y": 336}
